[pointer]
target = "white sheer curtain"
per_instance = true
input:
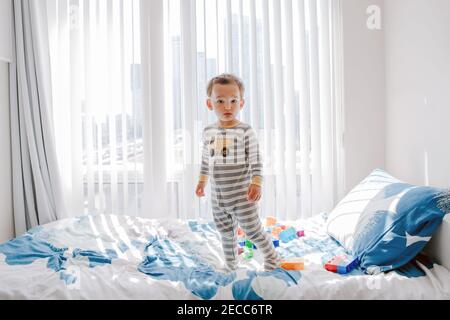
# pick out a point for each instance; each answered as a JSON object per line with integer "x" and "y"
{"x": 95, "y": 59}
{"x": 288, "y": 54}
{"x": 36, "y": 181}
{"x": 114, "y": 107}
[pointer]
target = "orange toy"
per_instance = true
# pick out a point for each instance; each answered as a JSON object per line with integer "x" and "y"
{"x": 276, "y": 231}
{"x": 270, "y": 221}
{"x": 240, "y": 233}
{"x": 293, "y": 264}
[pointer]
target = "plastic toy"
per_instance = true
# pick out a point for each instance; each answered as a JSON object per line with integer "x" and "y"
{"x": 240, "y": 233}
{"x": 300, "y": 233}
{"x": 240, "y": 250}
{"x": 293, "y": 264}
{"x": 288, "y": 234}
{"x": 276, "y": 231}
{"x": 270, "y": 221}
{"x": 249, "y": 244}
{"x": 342, "y": 264}
{"x": 247, "y": 253}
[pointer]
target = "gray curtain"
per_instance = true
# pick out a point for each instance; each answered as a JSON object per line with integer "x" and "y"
{"x": 37, "y": 196}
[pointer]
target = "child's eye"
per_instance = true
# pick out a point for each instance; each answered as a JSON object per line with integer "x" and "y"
{"x": 220, "y": 101}
{"x": 234, "y": 101}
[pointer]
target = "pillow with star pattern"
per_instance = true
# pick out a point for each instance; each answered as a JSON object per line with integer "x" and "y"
{"x": 386, "y": 222}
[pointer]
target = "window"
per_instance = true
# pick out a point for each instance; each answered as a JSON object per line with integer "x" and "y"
{"x": 286, "y": 52}
{"x": 98, "y": 114}
{"x": 283, "y": 51}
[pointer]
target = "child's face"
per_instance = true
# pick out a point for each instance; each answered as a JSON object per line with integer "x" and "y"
{"x": 226, "y": 101}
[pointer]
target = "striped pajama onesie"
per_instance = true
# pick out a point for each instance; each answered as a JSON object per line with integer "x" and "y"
{"x": 231, "y": 159}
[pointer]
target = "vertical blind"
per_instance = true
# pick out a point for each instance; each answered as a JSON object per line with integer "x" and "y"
{"x": 130, "y": 82}
{"x": 287, "y": 54}
{"x": 95, "y": 57}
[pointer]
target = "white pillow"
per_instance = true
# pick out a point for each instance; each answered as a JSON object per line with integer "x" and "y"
{"x": 342, "y": 220}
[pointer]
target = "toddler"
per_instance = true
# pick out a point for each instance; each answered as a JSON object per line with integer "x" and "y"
{"x": 232, "y": 162}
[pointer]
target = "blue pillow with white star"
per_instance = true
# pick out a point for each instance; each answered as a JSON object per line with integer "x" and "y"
{"x": 397, "y": 223}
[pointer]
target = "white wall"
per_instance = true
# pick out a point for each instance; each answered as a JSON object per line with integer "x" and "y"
{"x": 418, "y": 90}
{"x": 5, "y": 30}
{"x": 6, "y": 211}
{"x": 418, "y": 99}
{"x": 364, "y": 92}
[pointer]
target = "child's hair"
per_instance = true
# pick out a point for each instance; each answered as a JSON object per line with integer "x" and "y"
{"x": 225, "y": 78}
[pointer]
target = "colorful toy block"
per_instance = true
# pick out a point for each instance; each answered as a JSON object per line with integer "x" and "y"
{"x": 300, "y": 233}
{"x": 247, "y": 253}
{"x": 342, "y": 264}
{"x": 240, "y": 250}
{"x": 249, "y": 244}
{"x": 293, "y": 264}
{"x": 270, "y": 221}
{"x": 240, "y": 233}
{"x": 246, "y": 243}
{"x": 288, "y": 235}
{"x": 276, "y": 231}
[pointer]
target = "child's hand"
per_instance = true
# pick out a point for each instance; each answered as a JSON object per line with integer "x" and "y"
{"x": 200, "y": 190}
{"x": 253, "y": 193}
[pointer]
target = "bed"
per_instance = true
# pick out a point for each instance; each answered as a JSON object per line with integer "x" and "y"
{"x": 126, "y": 257}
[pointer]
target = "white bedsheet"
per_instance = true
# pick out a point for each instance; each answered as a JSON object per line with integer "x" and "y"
{"x": 123, "y": 257}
